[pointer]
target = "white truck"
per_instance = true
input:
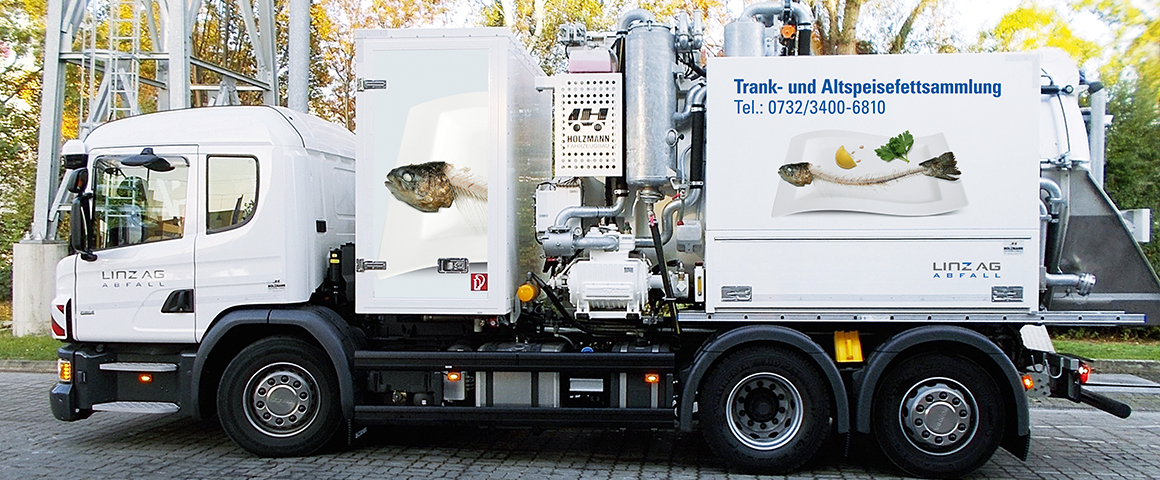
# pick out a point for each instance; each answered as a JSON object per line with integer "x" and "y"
{"x": 770, "y": 247}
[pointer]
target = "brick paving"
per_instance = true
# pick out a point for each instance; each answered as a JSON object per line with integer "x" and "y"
{"x": 1071, "y": 441}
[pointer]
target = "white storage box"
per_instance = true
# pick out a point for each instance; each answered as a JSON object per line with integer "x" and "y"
{"x": 917, "y": 243}
{"x": 447, "y": 121}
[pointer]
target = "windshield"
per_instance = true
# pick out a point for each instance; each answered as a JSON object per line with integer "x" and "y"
{"x": 133, "y": 205}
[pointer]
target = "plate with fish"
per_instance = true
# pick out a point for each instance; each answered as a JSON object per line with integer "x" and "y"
{"x": 834, "y": 170}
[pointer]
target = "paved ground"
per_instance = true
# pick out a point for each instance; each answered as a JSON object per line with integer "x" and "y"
{"x": 1072, "y": 441}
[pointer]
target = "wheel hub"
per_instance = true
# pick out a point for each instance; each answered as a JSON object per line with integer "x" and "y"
{"x": 938, "y": 416}
{"x": 761, "y": 405}
{"x": 764, "y": 411}
{"x": 281, "y": 399}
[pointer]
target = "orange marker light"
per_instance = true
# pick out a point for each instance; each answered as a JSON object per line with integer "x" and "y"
{"x": 145, "y": 378}
{"x": 527, "y": 292}
{"x": 64, "y": 370}
{"x": 788, "y": 31}
{"x": 1028, "y": 383}
{"x": 454, "y": 376}
{"x": 652, "y": 378}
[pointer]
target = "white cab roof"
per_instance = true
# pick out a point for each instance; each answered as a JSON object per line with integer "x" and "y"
{"x": 235, "y": 125}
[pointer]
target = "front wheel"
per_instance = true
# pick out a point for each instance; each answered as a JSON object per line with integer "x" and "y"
{"x": 279, "y": 398}
{"x": 765, "y": 410}
{"x": 938, "y": 415}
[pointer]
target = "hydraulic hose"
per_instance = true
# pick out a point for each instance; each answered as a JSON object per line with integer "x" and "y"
{"x": 660, "y": 249}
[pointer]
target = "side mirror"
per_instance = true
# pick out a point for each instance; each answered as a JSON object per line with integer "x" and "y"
{"x": 81, "y": 227}
{"x": 148, "y": 160}
{"x": 77, "y": 181}
{"x": 73, "y": 154}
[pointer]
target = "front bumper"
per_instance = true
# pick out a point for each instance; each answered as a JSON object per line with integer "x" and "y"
{"x": 63, "y": 403}
{"x": 104, "y": 377}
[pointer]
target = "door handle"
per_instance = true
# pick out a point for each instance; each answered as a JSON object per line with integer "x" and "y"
{"x": 179, "y": 301}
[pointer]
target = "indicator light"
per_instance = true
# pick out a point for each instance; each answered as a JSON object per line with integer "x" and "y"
{"x": 1028, "y": 383}
{"x": 454, "y": 376}
{"x": 788, "y": 31}
{"x": 652, "y": 378}
{"x": 145, "y": 378}
{"x": 527, "y": 292}
{"x": 64, "y": 370}
{"x": 1084, "y": 372}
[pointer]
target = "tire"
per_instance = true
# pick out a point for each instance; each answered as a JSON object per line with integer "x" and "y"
{"x": 913, "y": 403}
{"x": 765, "y": 410}
{"x": 279, "y": 398}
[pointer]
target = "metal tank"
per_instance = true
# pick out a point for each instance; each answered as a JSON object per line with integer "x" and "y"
{"x": 745, "y": 38}
{"x": 650, "y": 98}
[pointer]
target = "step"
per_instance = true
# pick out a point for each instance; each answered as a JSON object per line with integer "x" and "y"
{"x": 137, "y": 407}
{"x": 139, "y": 367}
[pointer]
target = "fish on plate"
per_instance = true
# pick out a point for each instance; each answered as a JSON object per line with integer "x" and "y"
{"x": 801, "y": 174}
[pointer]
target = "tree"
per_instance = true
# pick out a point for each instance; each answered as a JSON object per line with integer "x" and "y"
{"x": 1134, "y": 53}
{"x": 846, "y": 27}
{"x": 1030, "y": 27}
{"x": 334, "y": 23}
{"x": 21, "y": 37}
{"x": 1132, "y": 175}
{"x": 536, "y": 22}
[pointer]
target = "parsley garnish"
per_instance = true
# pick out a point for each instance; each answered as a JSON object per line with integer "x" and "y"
{"x": 897, "y": 147}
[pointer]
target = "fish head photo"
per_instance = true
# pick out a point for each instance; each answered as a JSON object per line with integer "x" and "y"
{"x": 797, "y": 174}
{"x": 424, "y": 186}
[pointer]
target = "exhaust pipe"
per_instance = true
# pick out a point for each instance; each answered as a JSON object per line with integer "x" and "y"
{"x": 1081, "y": 282}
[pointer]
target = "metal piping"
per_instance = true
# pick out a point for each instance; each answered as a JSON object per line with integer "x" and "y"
{"x": 771, "y": 10}
{"x": 633, "y": 16}
{"x": 695, "y": 97}
{"x": 610, "y": 242}
{"x": 667, "y": 222}
{"x": 1055, "y": 206}
{"x": 1055, "y": 201}
{"x": 298, "y": 88}
{"x": 1082, "y": 282}
{"x": 591, "y": 212}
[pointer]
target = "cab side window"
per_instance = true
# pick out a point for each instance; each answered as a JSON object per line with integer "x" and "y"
{"x": 134, "y": 205}
{"x": 232, "y": 191}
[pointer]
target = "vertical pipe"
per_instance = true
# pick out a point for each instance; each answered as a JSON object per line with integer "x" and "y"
{"x": 1099, "y": 99}
{"x": 297, "y": 91}
{"x": 697, "y": 149}
{"x": 270, "y": 46}
{"x": 177, "y": 45}
{"x": 51, "y": 105}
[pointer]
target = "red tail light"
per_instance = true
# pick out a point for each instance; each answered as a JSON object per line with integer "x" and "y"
{"x": 1084, "y": 372}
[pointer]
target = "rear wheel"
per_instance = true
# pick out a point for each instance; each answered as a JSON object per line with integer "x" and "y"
{"x": 938, "y": 415}
{"x": 765, "y": 410}
{"x": 279, "y": 398}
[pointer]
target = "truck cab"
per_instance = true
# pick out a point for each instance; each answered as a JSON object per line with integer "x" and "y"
{"x": 220, "y": 208}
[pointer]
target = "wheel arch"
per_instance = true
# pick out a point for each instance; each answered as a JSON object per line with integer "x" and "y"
{"x": 236, "y": 329}
{"x": 947, "y": 338}
{"x": 717, "y": 347}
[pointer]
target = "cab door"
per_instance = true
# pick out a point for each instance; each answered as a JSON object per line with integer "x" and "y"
{"x": 140, "y": 286}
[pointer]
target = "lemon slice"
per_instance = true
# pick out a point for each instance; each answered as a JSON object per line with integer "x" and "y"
{"x": 844, "y": 159}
